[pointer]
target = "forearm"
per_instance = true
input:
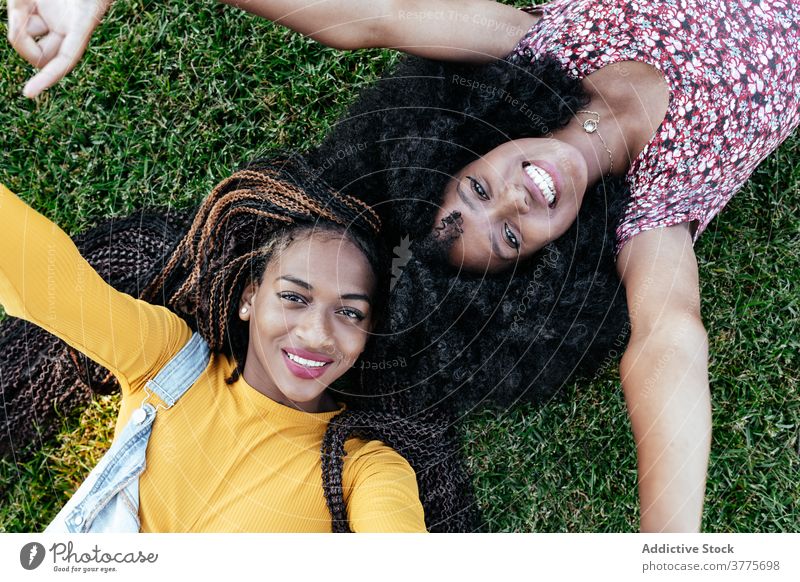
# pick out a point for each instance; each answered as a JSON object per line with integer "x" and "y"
{"x": 463, "y": 30}
{"x": 665, "y": 379}
{"x": 44, "y": 280}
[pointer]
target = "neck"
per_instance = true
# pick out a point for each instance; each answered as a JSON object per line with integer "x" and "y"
{"x": 265, "y": 385}
{"x": 631, "y": 101}
{"x": 610, "y": 136}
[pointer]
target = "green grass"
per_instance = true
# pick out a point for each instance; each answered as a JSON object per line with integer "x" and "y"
{"x": 170, "y": 98}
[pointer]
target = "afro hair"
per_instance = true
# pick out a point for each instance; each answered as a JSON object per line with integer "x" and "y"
{"x": 456, "y": 339}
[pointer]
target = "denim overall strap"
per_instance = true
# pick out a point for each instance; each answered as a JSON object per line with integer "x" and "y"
{"x": 181, "y": 371}
{"x": 109, "y": 498}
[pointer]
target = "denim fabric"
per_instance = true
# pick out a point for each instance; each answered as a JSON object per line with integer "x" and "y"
{"x": 108, "y": 501}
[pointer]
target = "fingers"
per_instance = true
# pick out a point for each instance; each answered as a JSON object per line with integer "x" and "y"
{"x": 36, "y": 26}
{"x": 70, "y": 50}
{"x": 20, "y": 38}
{"x": 49, "y": 45}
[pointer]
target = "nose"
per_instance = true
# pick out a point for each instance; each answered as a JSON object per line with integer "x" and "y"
{"x": 516, "y": 200}
{"x": 313, "y": 331}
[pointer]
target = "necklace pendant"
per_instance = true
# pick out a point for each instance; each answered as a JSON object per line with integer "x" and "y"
{"x": 590, "y": 126}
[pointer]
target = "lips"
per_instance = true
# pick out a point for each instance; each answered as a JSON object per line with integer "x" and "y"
{"x": 540, "y": 179}
{"x": 304, "y": 364}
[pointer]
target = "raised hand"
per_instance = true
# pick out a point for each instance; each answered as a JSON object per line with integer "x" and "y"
{"x": 52, "y": 35}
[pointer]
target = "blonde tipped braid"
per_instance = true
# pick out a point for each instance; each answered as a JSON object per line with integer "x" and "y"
{"x": 242, "y": 186}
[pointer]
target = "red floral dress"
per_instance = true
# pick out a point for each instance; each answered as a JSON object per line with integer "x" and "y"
{"x": 733, "y": 69}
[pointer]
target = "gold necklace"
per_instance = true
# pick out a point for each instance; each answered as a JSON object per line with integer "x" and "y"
{"x": 590, "y": 126}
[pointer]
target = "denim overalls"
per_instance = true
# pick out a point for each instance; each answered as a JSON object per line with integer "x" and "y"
{"x": 108, "y": 501}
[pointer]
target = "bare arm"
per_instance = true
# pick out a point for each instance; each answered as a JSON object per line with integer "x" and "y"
{"x": 52, "y": 35}
{"x": 665, "y": 378}
{"x": 465, "y": 30}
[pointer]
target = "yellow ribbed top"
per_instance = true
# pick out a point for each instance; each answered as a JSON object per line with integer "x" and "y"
{"x": 224, "y": 458}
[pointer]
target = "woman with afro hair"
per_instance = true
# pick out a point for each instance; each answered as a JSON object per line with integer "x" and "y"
{"x": 606, "y": 141}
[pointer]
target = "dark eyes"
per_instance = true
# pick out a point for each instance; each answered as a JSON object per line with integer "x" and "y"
{"x": 510, "y": 237}
{"x": 293, "y": 297}
{"x": 353, "y": 314}
{"x": 508, "y": 234}
{"x": 348, "y": 312}
{"x": 477, "y": 188}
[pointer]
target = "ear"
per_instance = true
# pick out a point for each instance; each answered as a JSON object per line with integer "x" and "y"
{"x": 247, "y": 300}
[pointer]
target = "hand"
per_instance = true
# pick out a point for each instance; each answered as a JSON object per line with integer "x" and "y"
{"x": 52, "y": 35}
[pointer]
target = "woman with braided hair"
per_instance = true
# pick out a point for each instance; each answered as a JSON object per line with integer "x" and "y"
{"x": 282, "y": 280}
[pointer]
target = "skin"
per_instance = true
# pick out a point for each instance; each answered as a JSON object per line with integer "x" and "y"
{"x": 314, "y": 296}
{"x": 504, "y": 217}
{"x": 52, "y": 35}
{"x": 664, "y": 373}
{"x": 497, "y": 201}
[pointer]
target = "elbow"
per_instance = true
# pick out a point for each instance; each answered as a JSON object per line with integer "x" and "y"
{"x": 665, "y": 381}
{"x": 353, "y": 36}
{"x": 675, "y": 328}
{"x": 672, "y": 352}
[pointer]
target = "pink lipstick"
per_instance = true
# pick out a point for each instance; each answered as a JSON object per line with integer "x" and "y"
{"x": 304, "y": 364}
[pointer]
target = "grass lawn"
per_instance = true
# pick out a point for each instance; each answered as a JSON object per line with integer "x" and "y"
{"x": 172, "y": 96}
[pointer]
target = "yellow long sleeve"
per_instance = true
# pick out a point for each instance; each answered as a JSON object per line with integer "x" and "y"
{"x": 44, "y": 279}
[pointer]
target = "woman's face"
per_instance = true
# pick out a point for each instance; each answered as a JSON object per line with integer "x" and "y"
{"x": 513, "y": 201}
{"x": 309, "y": 319}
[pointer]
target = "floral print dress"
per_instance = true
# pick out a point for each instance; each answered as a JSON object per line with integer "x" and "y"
{"x": 733, "y": 70}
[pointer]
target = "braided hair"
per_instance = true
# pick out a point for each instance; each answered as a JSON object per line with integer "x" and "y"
{"x": 246, "y": 220}
{"x": 253, "y": 214}
{"x": 40, "y": 375}
{"x": 431, "y": 447}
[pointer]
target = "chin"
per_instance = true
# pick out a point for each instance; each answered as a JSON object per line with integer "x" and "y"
{"x": 302, "y": 397}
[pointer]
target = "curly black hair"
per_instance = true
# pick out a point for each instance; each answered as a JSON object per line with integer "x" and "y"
{"x": 456, "y": 339}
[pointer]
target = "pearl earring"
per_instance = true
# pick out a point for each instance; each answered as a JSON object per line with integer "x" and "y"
{"x": 244, "y": 309}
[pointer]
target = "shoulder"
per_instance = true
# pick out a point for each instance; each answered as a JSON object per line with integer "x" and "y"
{"x": 377, "y": 463}
{"x": 361, "y": 453}
{"x": 380, "y": 489}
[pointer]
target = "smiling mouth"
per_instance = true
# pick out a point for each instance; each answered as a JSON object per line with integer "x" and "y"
{"x": 543, "y": 181}
{"x": 306, "y": 363}
{"x": 305, "y": 368}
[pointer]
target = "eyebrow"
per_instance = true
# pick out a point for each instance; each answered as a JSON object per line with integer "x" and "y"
{"x": 492, "y": 238}
{"x": 309, "y": 287}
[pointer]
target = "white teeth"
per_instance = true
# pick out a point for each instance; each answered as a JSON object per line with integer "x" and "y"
{"x": 543, "y": 181}
{"x": 304, "y": 362}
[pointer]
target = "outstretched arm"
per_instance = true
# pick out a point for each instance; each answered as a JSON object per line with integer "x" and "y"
{"x": 44, "y": 280}
{"x": 665, "y": 378}
{"x": 52, "y": 35}
{"x": 460, "y": 30}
